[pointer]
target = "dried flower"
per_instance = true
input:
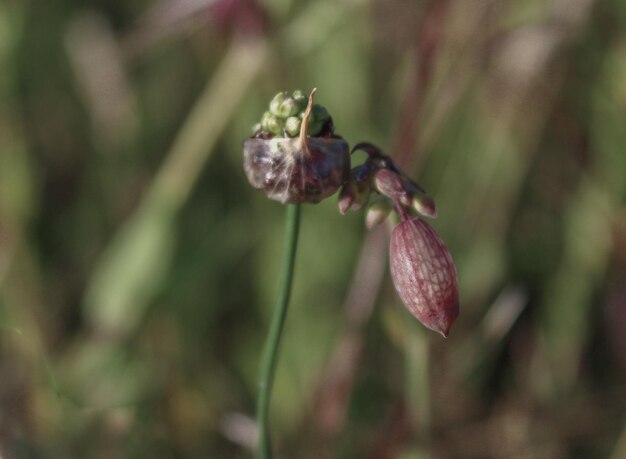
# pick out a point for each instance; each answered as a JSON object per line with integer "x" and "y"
{"x": 424, "y": 274}
{"x": 306, "y": 168}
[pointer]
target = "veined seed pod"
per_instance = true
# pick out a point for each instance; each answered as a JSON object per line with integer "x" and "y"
{"x": 298, "y": 169}
{"x": 424, "y": 274}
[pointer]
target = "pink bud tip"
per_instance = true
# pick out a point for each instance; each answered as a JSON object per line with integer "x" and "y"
{"x": 346, "y": 198}
{"x": 425, "y": 205}
{"x": 424, "y": 274}
{"x": 377, "y": 214}
{"x": 390, "y": 184}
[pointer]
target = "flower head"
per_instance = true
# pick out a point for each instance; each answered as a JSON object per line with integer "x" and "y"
{"x": 422, "y": 269}
{"x": 294, "y": 155}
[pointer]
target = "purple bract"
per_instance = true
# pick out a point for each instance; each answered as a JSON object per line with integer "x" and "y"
{"x": 290, "y": 171}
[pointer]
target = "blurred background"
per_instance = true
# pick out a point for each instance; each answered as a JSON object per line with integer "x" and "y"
{"x": 138, "y": 269}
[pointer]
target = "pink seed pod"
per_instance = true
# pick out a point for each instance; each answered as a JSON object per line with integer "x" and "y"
{"x": 424, "y": 274}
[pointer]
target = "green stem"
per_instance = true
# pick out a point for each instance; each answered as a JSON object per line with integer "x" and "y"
{"x": 270, "y": 352}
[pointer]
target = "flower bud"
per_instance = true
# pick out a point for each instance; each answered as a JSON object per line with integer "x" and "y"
{"x": 376, "y": 214}
{"x": 265, "y": 120}
{"x": 275, "y": 125}
{"x": 424, "y": 274}
{"x": 289, "y": 107}
{"x": 425, "y": 205}
{"x": 301, "y": 98}
{"x": 347, "y": 196}
{"x": 292, "y": 126}
{"x": 389, "y": 183}
{"x": 361, "y": 197}
{"x": 277, "y": 102}
{"x": 315, "y": 127}
{"x": 295, "y": 169}
{"x": 319, "y": 113}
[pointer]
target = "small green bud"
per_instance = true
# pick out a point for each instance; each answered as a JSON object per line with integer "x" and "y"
{"x": 285, "y": 106}
{"x": 265, "y": 121}
{"x": 292, "y": 126}
{"x": 275, "y": 125}
{"x": 289, "y": 107}
{"x": 301, "y": 99}
{"x": 256, "y": 128}
{"x": 319, "y": 113}
{"x": 276, "y": 103}
{"x": 315, "y": 127}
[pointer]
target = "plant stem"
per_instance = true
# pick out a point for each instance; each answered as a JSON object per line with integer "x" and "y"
{"x": 270, "y": 351}
{"x": 402, "y": 213}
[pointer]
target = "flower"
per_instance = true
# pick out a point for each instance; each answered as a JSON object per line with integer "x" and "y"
{"x": 424, "y": 274}
{"x": 422, "y": 269}
{"x": 380, "y": 174}
{"x": 306, "y": 168}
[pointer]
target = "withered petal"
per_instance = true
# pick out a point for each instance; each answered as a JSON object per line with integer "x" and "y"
{"x": 286, "y": 172}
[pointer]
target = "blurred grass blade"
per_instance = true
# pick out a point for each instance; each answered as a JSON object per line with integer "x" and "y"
{"x": 307, "y": 32}
{"x": 588, "y": 242}
{"x": 620, "y": 448}
{"x": 130, "y": 272}
{"x": 134, "y": 264}
{"x": 102, "y": 79}
{"x": 476, "y": 357}
{"x": 418, "y": 391}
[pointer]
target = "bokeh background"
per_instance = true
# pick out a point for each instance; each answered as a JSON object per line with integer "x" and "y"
{"x": 138, "y": 269}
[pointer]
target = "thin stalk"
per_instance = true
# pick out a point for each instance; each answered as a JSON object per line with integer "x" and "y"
{"x": 272, "y": 345}
{"x": 402, "y": 213}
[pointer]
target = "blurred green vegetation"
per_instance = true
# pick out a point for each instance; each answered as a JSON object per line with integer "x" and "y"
{"x": 138, "y": 268}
